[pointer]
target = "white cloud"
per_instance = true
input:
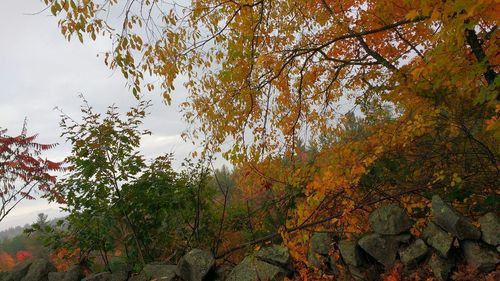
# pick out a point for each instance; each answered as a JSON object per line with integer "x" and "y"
{"x": 27, "y": 213}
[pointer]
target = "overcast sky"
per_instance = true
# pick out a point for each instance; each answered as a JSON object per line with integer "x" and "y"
{"x": 39, "y": 70}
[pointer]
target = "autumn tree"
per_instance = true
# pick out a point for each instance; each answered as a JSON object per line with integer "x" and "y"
{"x": 271, "y": 75}
{"x": 23, "y": 171}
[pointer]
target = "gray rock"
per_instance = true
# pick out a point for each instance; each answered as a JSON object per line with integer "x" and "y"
{"x": 194, "y": 265}
{"x": 108, "y": 276}
{"x": 490, "y": 228}
{"x": 383, "y": 248}
{"x": 253, "y": 269}
{"x": 58, "y": 276}
{"x": 389, "y": 219}
{"x": 441, "y": 267}
{"x": 313, "y": 260}
{"x": 451, "y": 221}
{"x": 158, "y": 272}
{"x": 74, "y": 273}
{"x": 19, "y": 271}
{"x": 102, "y": 276}
{"x": 319, "y": 246}
{"x": 122, "y": 276}
{"x": 356, "y": 273}
{"x": 320, "y": 243}
{"x": 438, "y": 238}
{"x": 350, "y": 253}
{"x": 480, "y": 256}
{"x": 39, "y": 270}
{"x": 119, "y": 264}
{"x": 276, "y": 254}
{"x": 364, "y": 273}
{"x": 222, "y": 272}
{"x": 415, "y": 252}
{"x": 403, "y": 238}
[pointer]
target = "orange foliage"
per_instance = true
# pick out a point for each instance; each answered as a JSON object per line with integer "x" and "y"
{"x": 466, "y": 273}
{"x": 6, "y": 262}
{"x": 229, "y": 239}
{"x": 63, "y": 259}
{"x": 394, "y": 273}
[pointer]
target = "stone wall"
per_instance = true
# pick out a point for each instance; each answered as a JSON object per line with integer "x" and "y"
{"x": 449, "y": 240}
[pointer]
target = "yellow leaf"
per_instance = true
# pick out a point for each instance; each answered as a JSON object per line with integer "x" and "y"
{"x": 435, "y": 15}
{"x": 416, "y": 73}
{"x": 412, "y": 14}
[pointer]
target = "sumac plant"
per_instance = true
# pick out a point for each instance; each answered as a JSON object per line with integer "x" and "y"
{"x": 23, "y": 172}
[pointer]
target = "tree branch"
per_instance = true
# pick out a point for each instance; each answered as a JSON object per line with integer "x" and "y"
{"x": 477, "y": 50}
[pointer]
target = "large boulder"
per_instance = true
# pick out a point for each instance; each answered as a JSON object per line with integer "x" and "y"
{"x": 222, "y": 272}
{"x": 381, "y": 247}
{"x": 119, "y": 264}
{"x": 102, "y": 276}
{"x": 401, "y": 238}
{"x": 58, "y": 276}
{"x": 490, "y": 228}
{"x": 390, "y": 220}
{"x": 74, "y": 273}
{"x": 255, "y": 269}
{"x": 356, "y": 273}
{"x": 438, "y": 238}
{"x": 480, "y": 256}
{"x": 195, "y": 265}
{"x": 120, "y": 276}
{"x": 39, "y": 270}
{"x": 277, "y": 255}
{"x": 441, "y": 267}
{"x": 415, "y": 252}
{"x": 108, "y": 276}
{"x": 319, "y": 246}
{"x": 19, "y": 271}
{"x": 451, "y": 221}
{"x": 315, "y": 260}
{"x": 368, "y": 272}
{"x": 320, "y": 243}
{"x": 350, "y": 252}
{"x": 163, "y": 272}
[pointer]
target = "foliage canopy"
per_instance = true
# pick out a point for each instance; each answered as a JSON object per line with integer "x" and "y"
{"x": 276, "y": 77}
